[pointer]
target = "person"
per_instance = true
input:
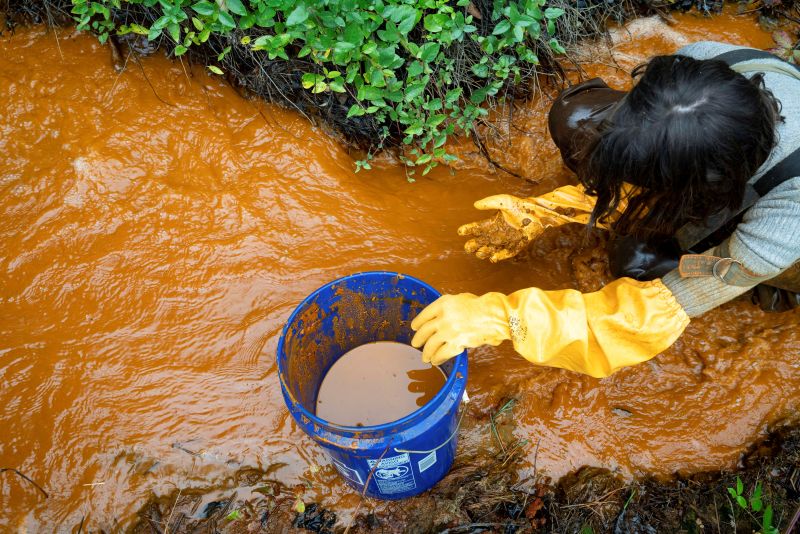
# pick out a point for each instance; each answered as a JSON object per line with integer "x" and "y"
{"x": 696, "y": 174}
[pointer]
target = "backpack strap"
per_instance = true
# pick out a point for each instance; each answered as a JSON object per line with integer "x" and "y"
{"x": 741, "y": 55}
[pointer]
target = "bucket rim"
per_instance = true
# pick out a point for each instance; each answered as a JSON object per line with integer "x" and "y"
{"x": 460, "y": 366}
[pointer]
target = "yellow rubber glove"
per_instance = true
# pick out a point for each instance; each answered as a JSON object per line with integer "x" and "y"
{"x": 625, "y": 323}
{"x": 521, "y": 220}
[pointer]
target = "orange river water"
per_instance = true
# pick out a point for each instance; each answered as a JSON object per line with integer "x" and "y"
{"x": 154, "y": 238}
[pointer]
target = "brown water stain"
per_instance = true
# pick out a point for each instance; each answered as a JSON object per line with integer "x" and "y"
{"x": 155, "y": 236}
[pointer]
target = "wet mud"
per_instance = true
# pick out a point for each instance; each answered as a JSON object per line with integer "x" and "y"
{"x": 156, "y": 231}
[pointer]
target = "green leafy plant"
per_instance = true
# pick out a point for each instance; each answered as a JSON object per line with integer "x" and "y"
{"x": 398, "y": 61}
{"x": 754, "y": 503}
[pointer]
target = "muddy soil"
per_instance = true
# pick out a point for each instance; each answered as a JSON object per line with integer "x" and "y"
{"x": 157, "y": 230}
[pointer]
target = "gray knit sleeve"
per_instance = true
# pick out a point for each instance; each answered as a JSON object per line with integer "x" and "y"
{"x": 767, "y": 242}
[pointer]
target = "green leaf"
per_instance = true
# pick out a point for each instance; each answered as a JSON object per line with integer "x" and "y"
{"x": 435, "y": 23}
{"x": 415, "y": 69}
{"x": 739, "y": 486}
{"x": 174, "y": 32}
{"x": 297, "y": 16}
{"x": 741, "y": 501}
{"x": 138, "y": 30}
{"x": 180, "y": 50}
{"x": 434, "y": 104}
{"x": 414, "y": 90}
{"x": 204, "y": 8}
{"x": 299, "y": 506}
{"x": 501, "y": 28}
{"x": 756, "y": 504}
{"x": 553, "y": 12}
{"x": 233, "y": 516}
{"x": 414, "y": 129}
{"x": 388, "y": 59}
{"x": 390, "y": 34}
{"x": 224, "y": 53}
{"x": 766, "y": 521}
{"x": 343, "y": 46}
{"x": 479, "y": 70}
{"x": 757, "y": 492}
{"x": 409, "y": 20}
{"x": 435, "y": 120}
{"x": 368, "y": 92}
{"x": 214, "y": 69}
{"x": 337, "y": 85}
{"x": 556, "y": 46}
{"x": 429, "y": 51}
{"x": 319, "y": 87}
{"x": 519, "y": 33}
{"x": 400, "y": 13}
{"x": 452, "y": 95}
{"x": 160, "y": 23}
{"x": 226, "y": 20}
{"x": 236, "y": 6}
{"x": 355, "y": 111}
{"x": 308, "y": 80}
{"x": 376, "y": 78}
{"x": 478, "y": 96}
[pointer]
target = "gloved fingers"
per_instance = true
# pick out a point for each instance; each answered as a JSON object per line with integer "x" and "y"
{"x": 424, "y": 333}
{"x": 433, "y": 344}
{"x": 486, "y": 251}
{"x": 431, "y": 311}
{"x": 503, "y": 254}
{"x": 483, "y": 227}
{"x": 473, "y": 228}
{"x": 496, "y": 202}
{"x": 445, "y": 352}
{"x": 473, "y": 245}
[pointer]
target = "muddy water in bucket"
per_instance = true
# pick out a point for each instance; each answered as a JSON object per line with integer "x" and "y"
{"x": 377, "y": 383}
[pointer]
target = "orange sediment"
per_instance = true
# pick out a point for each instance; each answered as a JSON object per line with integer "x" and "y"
{"x": 156, "y": 232}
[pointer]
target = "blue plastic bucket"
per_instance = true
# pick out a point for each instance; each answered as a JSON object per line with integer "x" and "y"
{"x": 398, "y": 459}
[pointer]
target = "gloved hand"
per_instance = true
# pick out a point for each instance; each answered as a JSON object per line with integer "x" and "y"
{"x": 625, "y": 323}
{"x": 521, "y": 220}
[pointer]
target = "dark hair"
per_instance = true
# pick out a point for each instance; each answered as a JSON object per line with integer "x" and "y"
{"x": 691, "y": 133}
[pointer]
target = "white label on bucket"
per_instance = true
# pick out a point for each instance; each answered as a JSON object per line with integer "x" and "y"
{"x": 427, "y": 461}
{"x": 393, "y": 474}
{"x": 346, "y": 472}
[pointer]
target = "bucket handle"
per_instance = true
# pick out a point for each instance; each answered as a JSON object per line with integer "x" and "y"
{"x": 465, "y": 400}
